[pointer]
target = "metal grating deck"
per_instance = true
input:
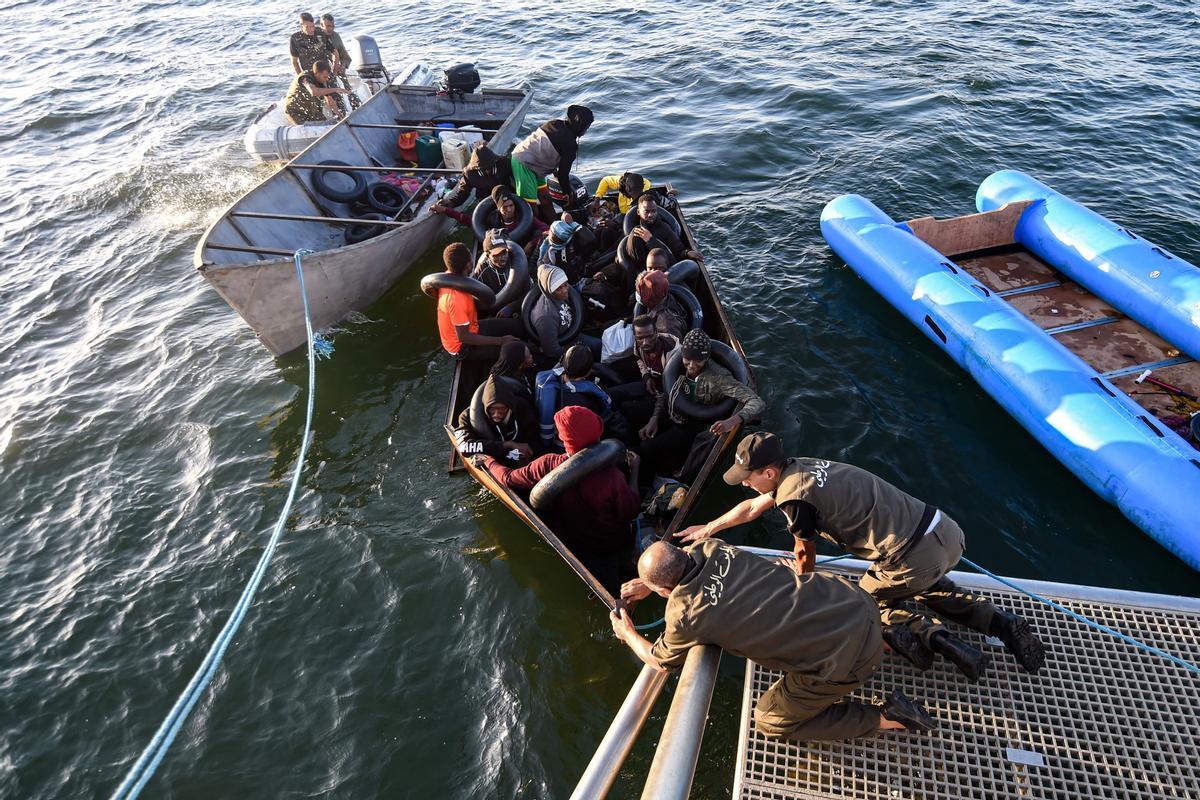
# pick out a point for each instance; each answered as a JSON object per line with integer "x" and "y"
{"x": 1101, "y": 720}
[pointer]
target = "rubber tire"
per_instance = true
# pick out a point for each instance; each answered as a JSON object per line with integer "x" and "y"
{"x": 576, "y": 301}
{"x": 485, "y": 298}
{"x": 337, "y": 195}
{"x": 687, "y": 299}
{"x": 361, "y": 231}
{"x": 587, "y": 461}
{"x": 727, "y": 357}
{"x": 517, "y": 285}
{"x": 520, "y": 233}
{"x": 476, "y": 412}
{"x": 386, "y": 198}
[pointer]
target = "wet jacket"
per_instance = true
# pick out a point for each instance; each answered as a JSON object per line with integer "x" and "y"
{"x": 594, "y": 515}
{"x": 484, "y": 172}
{"x": 520, "y": 426}
{"x": 850, "y": 507}
{"x": 818, "y": 625}
{"x": 712, "y": 385}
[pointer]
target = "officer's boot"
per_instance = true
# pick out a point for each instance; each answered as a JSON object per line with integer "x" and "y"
{"x": 904, "y": 641}
{"x": 970, "y": 660}
{"x": 1019, "y": 639}
{"x": 909, "y": 713}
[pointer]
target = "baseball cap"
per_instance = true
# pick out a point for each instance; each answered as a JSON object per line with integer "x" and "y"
{"x": 754, "y": 452}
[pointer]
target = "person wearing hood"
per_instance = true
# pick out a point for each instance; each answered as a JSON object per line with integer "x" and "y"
{"x": 593, "y": 517}
{"x": 509, "y": 428}
{"x": 516, "y": 365}
{"x": 483, "y": 173}
{"x": 553, "y": 314}
{"x": 673, "y": 436}
{"x": 551, "y": 148}
{"x": 653, "y": 290}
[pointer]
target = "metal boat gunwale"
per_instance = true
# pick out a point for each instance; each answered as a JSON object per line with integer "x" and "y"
{"x": 718, "y": 326}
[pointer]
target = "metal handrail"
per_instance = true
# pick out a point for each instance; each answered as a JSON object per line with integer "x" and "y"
{"x": 614, "y": 748}
{"x": 674, "y": 763}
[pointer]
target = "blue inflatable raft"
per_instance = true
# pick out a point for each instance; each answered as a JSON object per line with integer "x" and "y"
{"x": 1082, "y": 331}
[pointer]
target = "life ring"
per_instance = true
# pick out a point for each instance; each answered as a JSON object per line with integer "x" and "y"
{"x": 632, "y": 220}
{"x": 564, "y": 337}
{"x": 518, "y": 275}
{"x": 486, "y": 207}
{"x": 338, "y": 195}
{"x": 361, "y": 231}
{"x": 485, "y": 298}
{"x": 687, "y": 299}
{"x": 603, "y": 454}
{"x": 727, "y": 357}
{"x": 386, "y": 198}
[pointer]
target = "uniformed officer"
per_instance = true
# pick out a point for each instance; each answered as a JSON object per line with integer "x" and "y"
{"x": 820, "y": 629}
{"x": 911, "y": 546}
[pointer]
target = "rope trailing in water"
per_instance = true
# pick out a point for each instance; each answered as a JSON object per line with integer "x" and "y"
{"x": 1080, "y": 618}
{"x": 153, "y": 755}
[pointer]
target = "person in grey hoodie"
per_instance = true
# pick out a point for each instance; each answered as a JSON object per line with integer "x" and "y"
{"x": 552, "y": 314}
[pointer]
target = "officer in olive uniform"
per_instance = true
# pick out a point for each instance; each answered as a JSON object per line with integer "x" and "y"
{"x": 819, "y": 629}
{"x": 911, "y": 546}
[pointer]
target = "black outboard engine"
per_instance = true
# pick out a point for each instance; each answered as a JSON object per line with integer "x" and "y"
{"x": 576, "y": 199}
{"x": 460, "y": 79}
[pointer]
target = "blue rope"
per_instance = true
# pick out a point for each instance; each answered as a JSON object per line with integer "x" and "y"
{"x": 153, "y": 755}
{"x": 1085, "y": 620}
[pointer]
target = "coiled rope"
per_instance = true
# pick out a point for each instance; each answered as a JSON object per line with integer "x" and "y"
{"x": 153, "y": 755}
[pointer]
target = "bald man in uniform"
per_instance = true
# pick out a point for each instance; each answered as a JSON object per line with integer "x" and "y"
{"x": 911, "y": 546}
{"x": 821, "y": 630}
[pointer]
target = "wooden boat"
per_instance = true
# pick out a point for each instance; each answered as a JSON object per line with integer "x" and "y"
{"x": 716, "y": 325}
{"x": 247, "y": 254}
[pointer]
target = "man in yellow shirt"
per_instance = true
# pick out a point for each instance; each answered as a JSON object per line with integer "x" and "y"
{"x": 629, "y": 186}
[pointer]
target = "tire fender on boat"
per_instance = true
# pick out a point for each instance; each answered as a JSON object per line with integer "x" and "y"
{"x": 520, "y": 233}
{"x": 337, "y": 195}
{"x": 483, "y": 294}
{"x": 576, "y": 301}
{"x": 727, "y": 357}
{"x": 604, "y": 453}
{"x": 687, "y": 299}
{"x": 517, "y": 285}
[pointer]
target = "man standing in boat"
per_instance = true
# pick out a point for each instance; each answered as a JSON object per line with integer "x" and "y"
{"x": 308, "y": 45}
{"x": 911, "y": 546}
{"x": 551, "y": 148}
{"x": 310, "y": 90}
{"x": 821, "y": 630}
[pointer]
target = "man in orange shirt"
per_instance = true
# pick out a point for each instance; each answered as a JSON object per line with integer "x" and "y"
{"x": 463, "y": 334}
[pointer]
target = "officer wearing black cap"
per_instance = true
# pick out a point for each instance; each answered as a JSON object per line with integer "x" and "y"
{"x": 911, "y": 546}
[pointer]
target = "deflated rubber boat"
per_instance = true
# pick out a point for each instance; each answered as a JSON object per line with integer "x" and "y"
{"x": 1083, "y": 331}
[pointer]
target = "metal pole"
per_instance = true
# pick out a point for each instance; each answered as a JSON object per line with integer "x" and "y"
{"x": 674, "y": 763}
{"x": 602, "y": 770}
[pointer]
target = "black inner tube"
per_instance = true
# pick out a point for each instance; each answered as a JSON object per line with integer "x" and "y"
{"x": 564, "y": 336}
{"x": 688, "y": 300}
{"x": 485, "y": 298}
{"x": 477, "y": 416}
{"x": 322, "y": 185}
{"x": 361, "y": 231}
{"x": 727, "y": 357}
{"x": 385, "y": 198}
{"x": 569, "y": 473}
{"x": 485, "y": 208}
{"x": 517, "y": 285}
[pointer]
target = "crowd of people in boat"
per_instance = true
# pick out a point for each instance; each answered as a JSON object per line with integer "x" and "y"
{"x": 618, "y": 262}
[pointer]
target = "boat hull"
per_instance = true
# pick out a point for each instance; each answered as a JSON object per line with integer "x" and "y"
{"x": 1088, "y": 424}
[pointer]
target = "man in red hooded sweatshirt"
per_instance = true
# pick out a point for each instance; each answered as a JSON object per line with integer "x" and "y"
{"x": 593, "y": 517}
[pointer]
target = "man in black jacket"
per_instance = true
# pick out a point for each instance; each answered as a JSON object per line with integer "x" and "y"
{"x": 511, "y": 428}
{"x": 484, "y": 172}
{"x": 551, "y": 148}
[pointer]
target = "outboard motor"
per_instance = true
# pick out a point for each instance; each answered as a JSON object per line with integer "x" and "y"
{"x": 576, "y": 198}
{"x": 460, "y": 79}
{"x": 364, "y": 54}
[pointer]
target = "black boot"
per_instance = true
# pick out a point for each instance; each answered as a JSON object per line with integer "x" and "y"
{"x": 902, "y": 640}
{"x": 970, "y": 660}
{"x": 909, "y": 713}
{"x": 1018, "y": 637}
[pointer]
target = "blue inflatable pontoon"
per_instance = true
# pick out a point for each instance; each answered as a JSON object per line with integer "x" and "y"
{"x": 1083, "y": 332}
